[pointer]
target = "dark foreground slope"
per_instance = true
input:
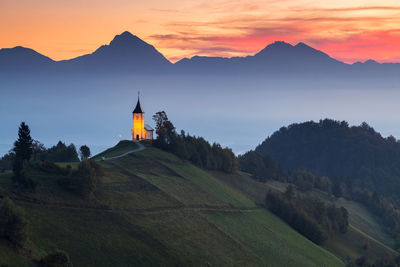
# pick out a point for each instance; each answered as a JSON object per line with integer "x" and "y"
{"x": 154, "y": 209}
{"x": 364, "y": 227}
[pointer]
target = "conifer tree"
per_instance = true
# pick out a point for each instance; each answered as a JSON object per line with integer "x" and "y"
{"x": 23, "y": 147}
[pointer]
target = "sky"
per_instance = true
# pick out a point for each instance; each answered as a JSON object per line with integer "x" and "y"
{"x": 349, "y": 30}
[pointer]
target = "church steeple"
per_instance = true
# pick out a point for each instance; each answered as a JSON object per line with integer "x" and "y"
{"x": 140, "y": 131}
{"x": 138, "y": 108}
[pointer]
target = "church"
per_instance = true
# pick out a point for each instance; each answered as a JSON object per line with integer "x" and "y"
{"x": 140, "y": 130}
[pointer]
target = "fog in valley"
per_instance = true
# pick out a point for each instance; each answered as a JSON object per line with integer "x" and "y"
{"x": 238, "y": 112}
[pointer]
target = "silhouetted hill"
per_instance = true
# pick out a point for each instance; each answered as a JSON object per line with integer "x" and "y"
{"x": 153, "y": 209}
{"x": 278, "y": 57}
{"x": 358, "y": 155}
{"x": 299, "y": 55}
{"x": 371, "y": 67}
{"x": 126, "y": 53}
{"x": 21, "y": 58}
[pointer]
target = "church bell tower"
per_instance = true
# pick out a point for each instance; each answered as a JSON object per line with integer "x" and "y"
{"x": 138, "y": 131}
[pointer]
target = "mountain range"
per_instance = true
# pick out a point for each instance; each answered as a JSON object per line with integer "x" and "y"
{"x": 127, "y": 53}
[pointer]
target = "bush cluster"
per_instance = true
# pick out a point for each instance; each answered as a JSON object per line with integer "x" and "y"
{"x": 58, "y": 153}
{"x": 13, "y": 224}
{"x": 264, "y": 167}
{"x": 310, "y": 217}
{"x": 82, "y": 181}
{"x": 58, "y": 258}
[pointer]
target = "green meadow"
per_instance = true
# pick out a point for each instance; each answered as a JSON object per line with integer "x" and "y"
{"x": 151, "y": 208}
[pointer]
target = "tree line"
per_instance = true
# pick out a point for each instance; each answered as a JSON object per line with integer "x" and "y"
{"x": 27, "y": 149}
{"x": 309, "y": 216}
{"x": 27, "y": 156}
{"x": 357, "y": 156}
{"x": 194, "y": 149}
{"x": 263, "y": 168}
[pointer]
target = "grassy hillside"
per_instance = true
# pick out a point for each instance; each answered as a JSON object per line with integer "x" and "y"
{"x": 154, "y": 209}
{"x": 364, "y": 227}
{"x": 121, "y": 148}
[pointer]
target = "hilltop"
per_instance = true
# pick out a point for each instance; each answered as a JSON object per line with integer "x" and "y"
{"x": 354, "y": 154}
{"x": 153, "y": 208}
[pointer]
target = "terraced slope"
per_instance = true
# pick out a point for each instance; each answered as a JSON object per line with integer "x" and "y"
{"x": 364, "y": 226}
{"x": 154, "y": 209}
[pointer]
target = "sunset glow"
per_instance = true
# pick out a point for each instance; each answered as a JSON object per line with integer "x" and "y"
{"x": 352, "y": 30}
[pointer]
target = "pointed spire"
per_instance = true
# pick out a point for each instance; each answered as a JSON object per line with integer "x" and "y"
{"x": 138, "y": 108}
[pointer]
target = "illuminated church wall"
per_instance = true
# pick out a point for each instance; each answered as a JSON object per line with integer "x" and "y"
{"x": 138, "y": 127}
{"x": 140, "y": 131}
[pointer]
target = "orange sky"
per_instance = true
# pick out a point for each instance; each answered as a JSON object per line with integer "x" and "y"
{"x": 349, "y": 30}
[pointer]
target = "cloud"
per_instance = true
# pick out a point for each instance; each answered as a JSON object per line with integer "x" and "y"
{"x": 195, "y": 44}
{"x": 165, "y": 10}
{"x": 351, "y": 9}
{"x": 240, "y": 28}
{"x": 380, "y": 45}
{"x": 228, "y": 6}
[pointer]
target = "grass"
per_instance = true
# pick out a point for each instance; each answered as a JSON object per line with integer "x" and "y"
{"x": 92, "y": 237}
{"x": 154, "y": 209}
{"x": 268, "y": 233}
{"x": 243, "y": 183}
{"x": 196, "y": 241}
{"x": 180, "y": 180}
{"x": 364, "y": 226}
{"x": 363, "y": 220}
{"x": 209, "y": 184}
{"x": 350, "y": 246}
{"x": 121, "y": 148}
{"x": 9, "y": 256}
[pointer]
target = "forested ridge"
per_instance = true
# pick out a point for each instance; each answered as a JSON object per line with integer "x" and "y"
{"x": 358, "y": 156}
{"x": 354, "y": 162}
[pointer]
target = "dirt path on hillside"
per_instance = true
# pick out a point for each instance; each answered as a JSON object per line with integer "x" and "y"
{"x": 136, "y": 211}
{"x": 140, "y": 148}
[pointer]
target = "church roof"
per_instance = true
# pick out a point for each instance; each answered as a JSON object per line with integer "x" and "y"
{"x": 138, "y": 108}
{"x": 148, "y": 127}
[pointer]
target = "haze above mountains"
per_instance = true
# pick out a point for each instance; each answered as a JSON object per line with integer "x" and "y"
{"x": 127, "y": 53}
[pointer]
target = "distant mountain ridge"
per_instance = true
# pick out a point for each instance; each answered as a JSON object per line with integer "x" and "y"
{"x": 20, "y": 58}
{"x": 128, "y": 53}
{"x": 277, "y": 57}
